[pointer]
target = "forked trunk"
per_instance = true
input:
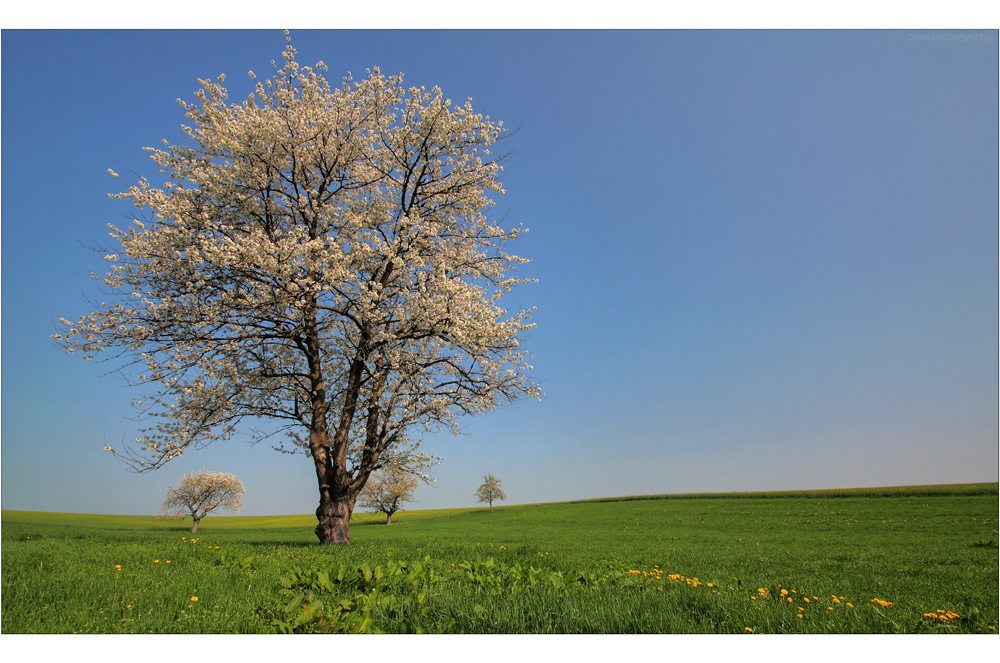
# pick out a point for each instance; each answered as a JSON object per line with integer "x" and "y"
{"x": 334, "y": 518}
{"x": 336, "y": 496}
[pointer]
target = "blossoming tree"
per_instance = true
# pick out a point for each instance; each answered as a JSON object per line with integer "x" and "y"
{"x": 387, "y": 492}
{"x": 201, "y": 493}
{"x": 320, "y": 257}
{"x": 490, "y": 490}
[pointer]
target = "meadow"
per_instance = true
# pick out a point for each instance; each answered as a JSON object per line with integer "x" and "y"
{"x": 894, "y": 560}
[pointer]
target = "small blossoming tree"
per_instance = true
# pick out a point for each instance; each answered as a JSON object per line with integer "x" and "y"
{"x": 201, "y": 493}
{"x": 320, "y": 257}
{"x": 490, "y": 490}
{"x": 387, "y": 491}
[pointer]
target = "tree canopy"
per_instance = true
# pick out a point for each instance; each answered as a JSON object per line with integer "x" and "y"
{"x": 387, "y": 491}
{"x": 321, "y": 257}
{"x": 490, "y": 490}
{"x": 201, "y": 493}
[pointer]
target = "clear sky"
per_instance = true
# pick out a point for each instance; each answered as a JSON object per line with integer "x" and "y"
{"x": 767, "y": 260}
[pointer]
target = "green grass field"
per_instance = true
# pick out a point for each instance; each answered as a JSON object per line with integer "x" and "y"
{"x": 865, "y": 561}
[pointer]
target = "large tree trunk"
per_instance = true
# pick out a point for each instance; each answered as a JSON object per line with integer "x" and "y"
{"x": 388, "y": 519}
{"x": 195, "y": 527}
{"x": 334, "y": 516}
{"x": 336, "y": 496}
{"x": 336, "y": 501}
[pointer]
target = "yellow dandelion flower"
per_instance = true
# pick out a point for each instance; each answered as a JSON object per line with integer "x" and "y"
{"x": 167, "y": 561}
{"x": 789, "y": 599}
{"x": 748, "y": 629}
{"x": 799, "y": 615}
{"x": 830, "y": 608}
{"x": 784, "y": 592}
{"x": 806, "y": 600}
{"x": 156, "y": 561}
{"x": 194, "y": 598}
{"x": 850, "y": 605}
{"x": 118, "y": 567}
{"x": 128, "y": 607}
{"x": 753, "y": 598}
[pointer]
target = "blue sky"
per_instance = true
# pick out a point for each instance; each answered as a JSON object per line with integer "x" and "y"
{"x": 767, "y": 260}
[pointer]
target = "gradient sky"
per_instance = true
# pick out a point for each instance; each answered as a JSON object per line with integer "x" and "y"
{"x": 767, "y": 260}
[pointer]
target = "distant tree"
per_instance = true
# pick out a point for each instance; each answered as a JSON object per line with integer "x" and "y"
{"x": 321, "y": 257}
{"x": 387, "y": 491}
{"x": 201, "y": 493}
{"x": 490, "y": 491}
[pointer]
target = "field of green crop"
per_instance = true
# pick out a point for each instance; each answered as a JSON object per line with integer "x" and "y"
{"x": 904, "y": 560}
